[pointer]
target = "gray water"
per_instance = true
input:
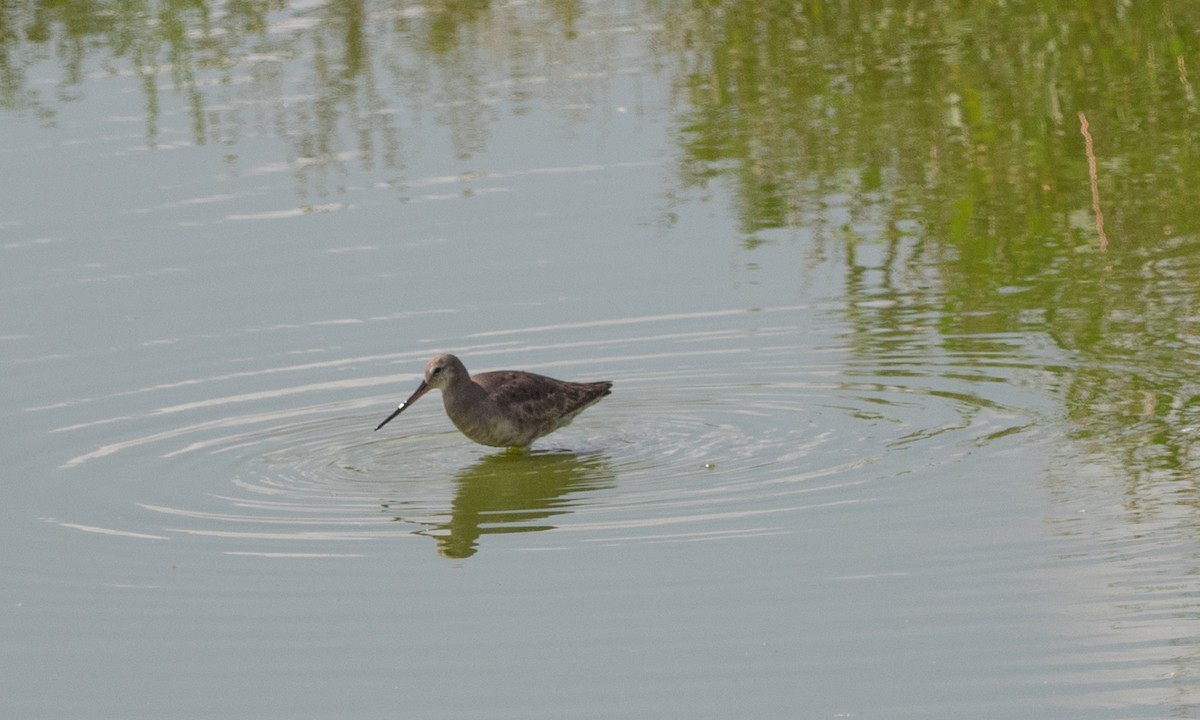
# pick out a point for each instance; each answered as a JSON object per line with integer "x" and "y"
{"x": 827, "y": 482}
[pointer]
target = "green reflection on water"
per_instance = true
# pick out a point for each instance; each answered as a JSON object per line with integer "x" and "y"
{"x": 953, "y": 133}
{"x": 312, "y": 78}
{"x": 961, "y": 115}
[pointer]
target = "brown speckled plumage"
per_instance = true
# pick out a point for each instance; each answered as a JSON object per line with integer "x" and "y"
{"x": 505, "y": 408}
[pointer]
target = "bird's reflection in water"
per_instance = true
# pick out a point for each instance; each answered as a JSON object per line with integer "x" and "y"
{"x": 510, "y": 492}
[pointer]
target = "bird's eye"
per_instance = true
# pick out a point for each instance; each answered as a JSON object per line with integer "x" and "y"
{"x": 437, "y": 369}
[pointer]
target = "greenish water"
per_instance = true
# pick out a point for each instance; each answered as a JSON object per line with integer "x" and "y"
{"x": 899, "y": 302}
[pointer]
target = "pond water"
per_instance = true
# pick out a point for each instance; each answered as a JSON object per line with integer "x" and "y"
{"x": 900, "y": 307}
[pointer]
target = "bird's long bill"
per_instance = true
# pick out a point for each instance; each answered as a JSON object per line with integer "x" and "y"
{"x": 421, "y": 390}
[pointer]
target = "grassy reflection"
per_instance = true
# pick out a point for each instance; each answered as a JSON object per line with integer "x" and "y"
{"x": 962, "y": 115}
{"x": 951, "y": 133}
{"x": 178, "y": 39}
{"x": 312, "y": 78}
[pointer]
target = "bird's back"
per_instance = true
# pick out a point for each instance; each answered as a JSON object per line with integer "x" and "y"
{"x": 519, "y": 407}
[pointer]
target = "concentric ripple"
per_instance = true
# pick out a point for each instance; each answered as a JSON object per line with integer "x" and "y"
{"x": 722, "y": 425}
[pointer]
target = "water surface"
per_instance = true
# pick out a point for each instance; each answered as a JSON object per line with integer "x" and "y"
{"x": 898, "y": 304}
